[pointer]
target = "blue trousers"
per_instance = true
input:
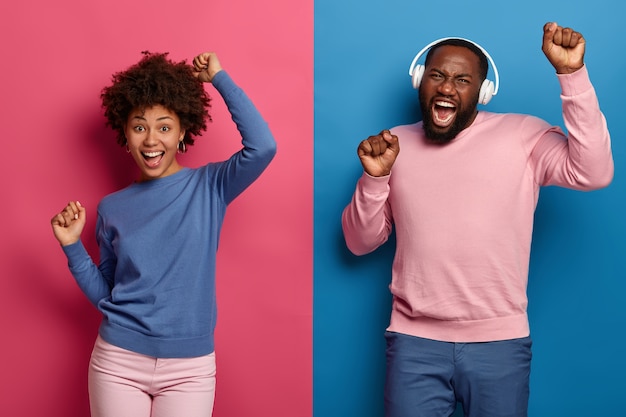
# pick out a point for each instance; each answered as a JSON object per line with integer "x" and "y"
{"x": 426, "y": 378}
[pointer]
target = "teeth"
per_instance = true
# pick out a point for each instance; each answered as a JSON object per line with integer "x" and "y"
{"x": 152, "y": 154}
{"x": 444, "y": 104}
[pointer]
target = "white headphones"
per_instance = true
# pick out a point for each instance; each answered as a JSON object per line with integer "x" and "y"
{"x": 487, "y": 89}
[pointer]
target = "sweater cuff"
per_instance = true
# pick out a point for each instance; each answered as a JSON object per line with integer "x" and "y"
{"x": 575, "y": 83}
{"x": 222, "y": 82}
{"x": 375, "y": 185}
{"x": 75, "y": 252}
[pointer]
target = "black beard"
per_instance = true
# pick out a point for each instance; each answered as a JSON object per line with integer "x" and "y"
{"x": 461, "y": 121}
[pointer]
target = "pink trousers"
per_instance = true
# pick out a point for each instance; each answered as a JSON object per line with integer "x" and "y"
{"x": 127, "y": 384}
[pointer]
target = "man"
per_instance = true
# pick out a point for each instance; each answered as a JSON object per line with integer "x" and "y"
{"x": 461, "y": 196}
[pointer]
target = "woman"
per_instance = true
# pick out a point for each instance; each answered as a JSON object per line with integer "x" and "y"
{"x": 158, "y": 237}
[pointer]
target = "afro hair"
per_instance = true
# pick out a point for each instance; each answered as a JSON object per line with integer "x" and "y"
{"x": 156, "y": 80}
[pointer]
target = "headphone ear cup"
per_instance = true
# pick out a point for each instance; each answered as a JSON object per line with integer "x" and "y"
{"x": 418, "y": 73}
{"x": 486, "y": 92}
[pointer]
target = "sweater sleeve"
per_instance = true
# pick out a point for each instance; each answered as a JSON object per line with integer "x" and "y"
{"x": 91, "y": 279}
{"x": 367, "y": 221}
{"x": 259, "y": 146}
{"x": 584, "y": 160}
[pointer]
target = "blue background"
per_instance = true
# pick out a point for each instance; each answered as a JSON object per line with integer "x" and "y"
{"x": 576, "y": 287}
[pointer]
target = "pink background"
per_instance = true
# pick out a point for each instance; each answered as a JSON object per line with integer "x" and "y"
{"x": 56, "y": 57}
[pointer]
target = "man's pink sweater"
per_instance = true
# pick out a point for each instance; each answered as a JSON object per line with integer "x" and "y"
{"x": 463, "y": 214}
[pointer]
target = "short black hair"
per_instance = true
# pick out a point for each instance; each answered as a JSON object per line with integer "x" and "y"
{"x": 484, "y": 63}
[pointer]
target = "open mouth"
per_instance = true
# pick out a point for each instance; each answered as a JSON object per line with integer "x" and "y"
{"x": 443, "y": 113}
{"x": 153, "y": 158}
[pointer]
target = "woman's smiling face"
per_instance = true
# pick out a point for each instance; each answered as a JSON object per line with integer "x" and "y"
{"x": 153, "y": 135}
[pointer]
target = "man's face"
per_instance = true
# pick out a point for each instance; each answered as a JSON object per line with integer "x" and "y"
{"x": 448, "y": 92}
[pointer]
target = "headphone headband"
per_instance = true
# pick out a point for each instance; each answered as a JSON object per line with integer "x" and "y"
{"x": 430, "y": 45}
